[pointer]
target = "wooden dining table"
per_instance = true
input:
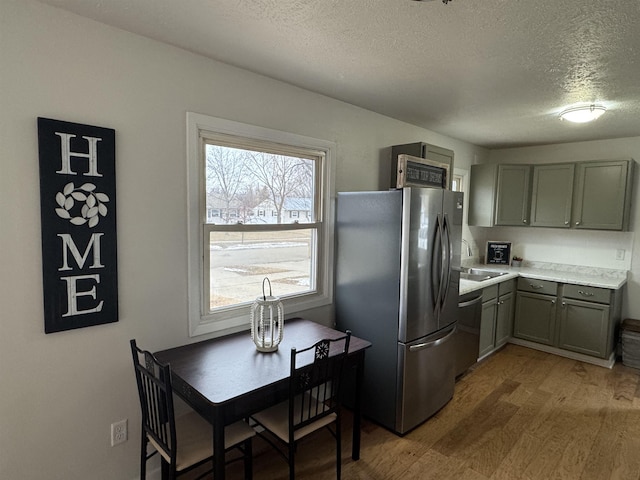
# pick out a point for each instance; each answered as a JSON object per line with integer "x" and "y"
{"x": 226, "y": 379}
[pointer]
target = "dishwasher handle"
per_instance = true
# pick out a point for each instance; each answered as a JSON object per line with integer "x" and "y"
{"x": 471, "y": 302}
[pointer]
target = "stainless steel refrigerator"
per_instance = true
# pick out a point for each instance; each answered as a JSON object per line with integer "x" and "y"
{"x": 397, "y": 279}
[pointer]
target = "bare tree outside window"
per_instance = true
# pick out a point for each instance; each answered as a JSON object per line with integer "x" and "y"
{"x": 242, "y": 185}
{"x": 284, "y": 177}
{"x": 258, "y": 205}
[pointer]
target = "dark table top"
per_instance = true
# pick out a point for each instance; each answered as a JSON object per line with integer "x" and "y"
{"x": 226, "y": 368}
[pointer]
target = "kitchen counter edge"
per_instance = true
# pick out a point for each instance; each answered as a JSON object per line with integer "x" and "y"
{"x": 611, "y": 279}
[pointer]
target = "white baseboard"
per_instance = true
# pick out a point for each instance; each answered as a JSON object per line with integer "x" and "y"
{"x": 601, "y": 362}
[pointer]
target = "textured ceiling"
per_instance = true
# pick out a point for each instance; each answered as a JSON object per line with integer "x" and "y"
{"x": 492, "y": 72}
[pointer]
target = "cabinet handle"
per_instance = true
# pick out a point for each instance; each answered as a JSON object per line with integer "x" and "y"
{"x": 553, "y": 302}
{"x": 537, "y": 287}
{"x": 585, "y": 294}
{"x": 577, "y": 223}
{"x": 566, "y": 223}
{"x": 524, "y": 221}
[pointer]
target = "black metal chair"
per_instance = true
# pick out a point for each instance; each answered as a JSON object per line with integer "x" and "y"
{"x": 314, "y": 400}
{"x": 185, "y": 442}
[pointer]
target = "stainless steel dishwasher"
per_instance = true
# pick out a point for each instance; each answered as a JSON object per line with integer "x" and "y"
{"x": 467, "y": 337}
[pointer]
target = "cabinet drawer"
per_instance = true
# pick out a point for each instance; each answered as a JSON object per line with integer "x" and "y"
{"x": 506, "y": 287}
{"x": 589, "y": 294}
{"x": 537, "y": 286}
{"x": 489, "y": 293}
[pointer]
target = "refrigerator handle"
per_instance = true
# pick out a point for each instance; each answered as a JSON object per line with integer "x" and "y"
{"x": 436, "y": 267}
{"x": 436, "y": 342}
{"x": 446, "y": 268}
{"x": 442, "y": 288}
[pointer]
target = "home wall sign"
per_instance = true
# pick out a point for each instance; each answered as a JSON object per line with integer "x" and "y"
{"x": 78, "y": 211}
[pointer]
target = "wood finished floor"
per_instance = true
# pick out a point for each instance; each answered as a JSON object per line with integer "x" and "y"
{"x": 521, "y": 414}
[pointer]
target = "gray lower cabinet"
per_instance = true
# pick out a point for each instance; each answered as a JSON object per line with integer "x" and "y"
{"x": 571, "y": 317}
{"x": 588, "y": 318}
{"x": 535, "y": 318}
{"x": 497, "y": 317}
{"x": 488, "y": 320}
{"x": 504, "y": 318}
{"x": 583, "y": 327}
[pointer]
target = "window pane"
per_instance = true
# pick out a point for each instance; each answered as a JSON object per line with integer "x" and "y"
{"x": 456, "y": 183}
{"x": 242, "y": 185}
{"x": 239, "y": 261}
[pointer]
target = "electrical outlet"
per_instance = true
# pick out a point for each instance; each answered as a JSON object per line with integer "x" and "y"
{"x": 620, "y": 254}
{"x": 118, "y": 432}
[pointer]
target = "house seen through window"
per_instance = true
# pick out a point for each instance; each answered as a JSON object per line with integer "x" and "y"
{"x": 245, "y": 245}
{"x": 259, "y": 207}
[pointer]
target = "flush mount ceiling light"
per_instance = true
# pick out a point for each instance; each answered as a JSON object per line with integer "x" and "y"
{"x": 583, "y": 114}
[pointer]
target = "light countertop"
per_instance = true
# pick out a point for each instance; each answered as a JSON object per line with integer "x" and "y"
{"x": 573, "y": 274}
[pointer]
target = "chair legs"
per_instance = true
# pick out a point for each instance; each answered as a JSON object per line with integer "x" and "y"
{"x": 292, "y": 461}
{"x": 248, "y": 460}
{"x": 292, "y": 451}
{"x": 143, "y": 458}
{"x": 338, "y": 448}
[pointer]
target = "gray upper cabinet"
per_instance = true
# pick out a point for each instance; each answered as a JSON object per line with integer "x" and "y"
{"x": 512, "y": 196}
{"x": 552, "y": 195}
{"x": 602, "y": 198}
{"x": 499, "y": 195}
{"x": 583, "y": 195}
{"x": 482, "y": 195}
{"x": 428, "y": 151}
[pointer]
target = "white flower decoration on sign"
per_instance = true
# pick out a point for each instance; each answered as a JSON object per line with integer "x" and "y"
{"x": 91, "y": 210}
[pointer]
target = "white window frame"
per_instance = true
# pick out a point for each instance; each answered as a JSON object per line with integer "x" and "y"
{"x": 237, "y": 319}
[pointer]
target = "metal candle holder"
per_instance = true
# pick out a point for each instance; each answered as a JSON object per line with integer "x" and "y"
{"x": 267, "y": 321}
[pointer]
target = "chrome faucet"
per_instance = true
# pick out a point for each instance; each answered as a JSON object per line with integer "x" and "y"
{"x": 469, "y": 252}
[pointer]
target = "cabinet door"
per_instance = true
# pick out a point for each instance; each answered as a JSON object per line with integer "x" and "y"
{"x": 423, "y": 150}
{"x": 535, "y": 317}
{"x": 601, "y": 200}
{"x": 512, "y": 198}
{"x": 552, "y": 195}
{"x": 583, "y": 327}
{"x": 439, "y": 154}
{"x": 488, "y": 327}
{"x": 504, "y": 319}
{"x": 482, "y": 190}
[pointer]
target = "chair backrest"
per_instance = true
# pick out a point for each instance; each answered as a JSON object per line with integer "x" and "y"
{"x": 156, "y": 401}
{"x": 314, "y": 387}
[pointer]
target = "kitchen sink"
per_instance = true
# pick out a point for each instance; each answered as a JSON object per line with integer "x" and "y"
{"x": 479, "y": 274}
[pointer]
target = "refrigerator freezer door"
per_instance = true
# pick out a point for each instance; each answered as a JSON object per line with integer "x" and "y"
{"x": 421, "y": 263}
{"x": 427, "y": 378}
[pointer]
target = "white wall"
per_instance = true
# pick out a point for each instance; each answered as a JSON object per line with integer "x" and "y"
{"x": 595, "y": 248}
{"x": 61, "y": 392}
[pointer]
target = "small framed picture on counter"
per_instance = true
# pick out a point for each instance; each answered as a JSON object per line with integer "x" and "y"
{"x": 498, "y": 253}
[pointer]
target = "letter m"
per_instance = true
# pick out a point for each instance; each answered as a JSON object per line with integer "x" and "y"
{"x": 68, "y": 245}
